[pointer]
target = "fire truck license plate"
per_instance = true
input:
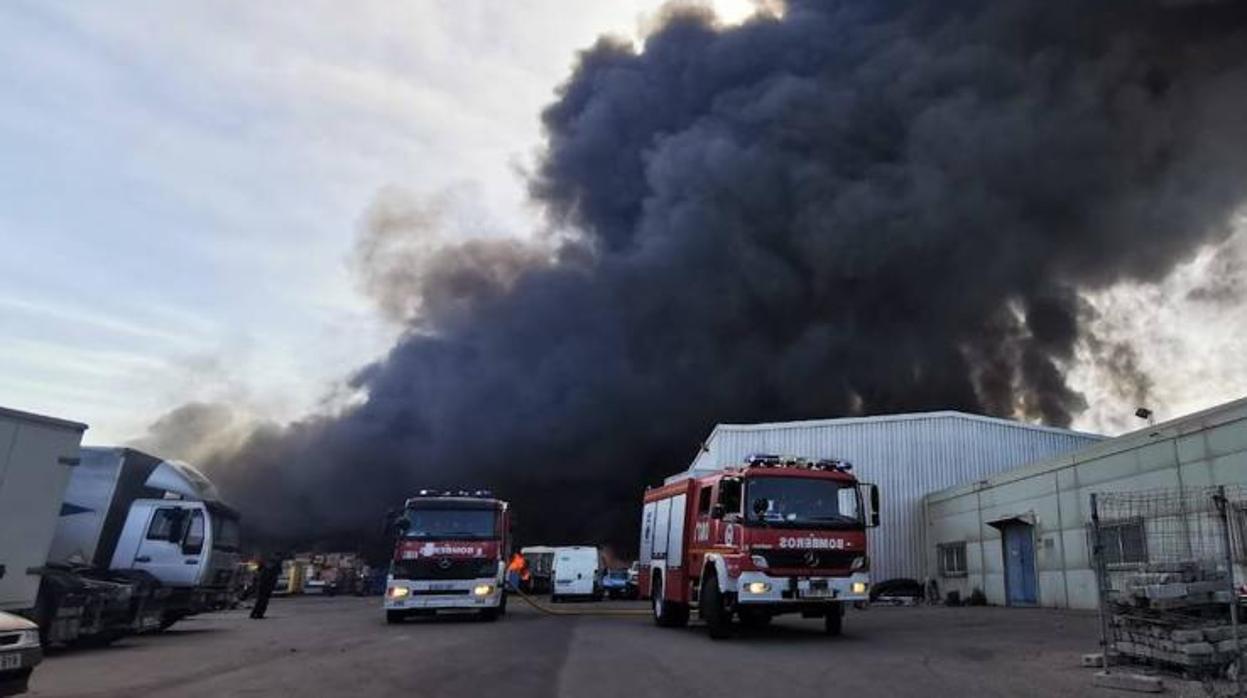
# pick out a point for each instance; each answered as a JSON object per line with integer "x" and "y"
{"x": 818, "y": 587}
{"x": 10, "y": 661}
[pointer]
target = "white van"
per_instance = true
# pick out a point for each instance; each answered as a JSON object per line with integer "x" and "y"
{"x": 577, "y": 572}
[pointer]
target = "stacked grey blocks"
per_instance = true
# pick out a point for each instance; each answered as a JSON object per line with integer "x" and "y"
{"x": 1175, "y": 615}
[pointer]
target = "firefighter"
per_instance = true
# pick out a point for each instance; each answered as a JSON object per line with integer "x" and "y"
{"x": 517, "y": 571}
{"x": 266, "y": 580}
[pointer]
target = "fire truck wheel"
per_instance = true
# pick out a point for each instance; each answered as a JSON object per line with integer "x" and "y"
{"x": 490, "y": 614}
{"x": 393, "y": 617}
{"x": 502, "y": 605}
{"x": 718, "y": 618}
{"x": 834, "y": 620}
{"x": 667, "y": 614}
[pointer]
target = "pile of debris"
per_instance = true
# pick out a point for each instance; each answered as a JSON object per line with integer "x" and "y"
{"x": 1176, "y": 615}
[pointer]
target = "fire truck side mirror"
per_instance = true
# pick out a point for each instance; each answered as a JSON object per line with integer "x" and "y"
{"x": 874, "y": 506}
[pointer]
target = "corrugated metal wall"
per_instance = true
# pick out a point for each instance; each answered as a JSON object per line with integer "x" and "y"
{"x": 908, "y": 456}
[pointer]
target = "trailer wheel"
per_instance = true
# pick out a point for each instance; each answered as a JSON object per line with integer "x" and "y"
{"x": 667, "y": 614}
{"x": 833, "y": 622}
{"x": 712, "y": 609}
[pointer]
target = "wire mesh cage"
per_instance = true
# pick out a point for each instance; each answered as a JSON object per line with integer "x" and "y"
{"x": 1166, "y": 563}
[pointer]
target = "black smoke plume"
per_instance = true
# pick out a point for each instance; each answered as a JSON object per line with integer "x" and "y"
{"x": 851, "y": 207}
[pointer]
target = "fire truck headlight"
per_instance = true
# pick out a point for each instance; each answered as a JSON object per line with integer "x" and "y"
{"x": 399, "y": 592}
{"x": 483, "y": 589}
{"x": 859, "y": 587}
{"x": 860, "y": 563}
{"x": 759, "y": 561}
{"x": 759, "y": 587}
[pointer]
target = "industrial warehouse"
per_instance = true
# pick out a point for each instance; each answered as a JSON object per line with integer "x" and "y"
{"x": 1022, "y": 535}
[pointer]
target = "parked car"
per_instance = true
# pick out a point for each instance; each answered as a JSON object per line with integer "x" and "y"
{"x": 615, "y": 584}
{"x": 20, "y": 651}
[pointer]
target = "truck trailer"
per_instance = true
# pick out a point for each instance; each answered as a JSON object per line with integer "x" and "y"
{"x": 775, "y": 535}
{"x": 37, "y": 454}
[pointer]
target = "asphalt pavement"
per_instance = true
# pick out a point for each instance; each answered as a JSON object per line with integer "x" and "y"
{"x": 342, "y": 646}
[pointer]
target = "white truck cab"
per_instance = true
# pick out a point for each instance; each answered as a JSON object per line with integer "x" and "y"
{"x": 125, "y": 510}
{"x": 577, "y": 571}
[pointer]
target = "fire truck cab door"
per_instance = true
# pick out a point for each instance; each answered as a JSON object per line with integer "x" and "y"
{"x": 702, "y": 522}
{"x": 727, "y": 505}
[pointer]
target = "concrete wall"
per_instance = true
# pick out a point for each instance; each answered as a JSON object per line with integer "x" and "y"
{"x": 906, "y": 455}
{"x": 1207, "y": 448}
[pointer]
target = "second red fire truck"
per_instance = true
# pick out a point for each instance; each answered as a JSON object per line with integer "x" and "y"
{"x": 775, "y": 535}
{"x": 450, "y": 554}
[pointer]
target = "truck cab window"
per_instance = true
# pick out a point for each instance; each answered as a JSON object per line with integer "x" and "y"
{"x": 166, "y": 524}
{"x": 729, "y": 496}
{"x": 193, "y": 543}
{"x": 703, "y": 501}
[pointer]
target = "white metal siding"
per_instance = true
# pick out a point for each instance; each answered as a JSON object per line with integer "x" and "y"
{"x": 907, "y": 456}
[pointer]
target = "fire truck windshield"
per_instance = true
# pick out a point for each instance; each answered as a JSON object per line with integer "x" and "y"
{"x": 792, "y": 502}
{"x": 457, "y": 524}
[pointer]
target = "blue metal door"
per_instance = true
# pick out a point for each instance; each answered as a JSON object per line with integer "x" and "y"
{"x": 1019, "y": 565}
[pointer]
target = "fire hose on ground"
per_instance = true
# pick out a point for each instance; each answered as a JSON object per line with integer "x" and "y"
{"x": 575, "y": 612}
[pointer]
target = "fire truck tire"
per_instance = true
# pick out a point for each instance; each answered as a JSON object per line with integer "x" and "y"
{"x": 667, "y": 614}
{"x": 393, "y": 617}
{"x": 834, "y": 620}
{"x": 490, "y": 614}
{"x": 502, "y": 605}
{"x": 713, "y": 610}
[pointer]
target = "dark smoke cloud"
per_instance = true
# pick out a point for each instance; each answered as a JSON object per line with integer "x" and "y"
{"x": 857, "y": 207}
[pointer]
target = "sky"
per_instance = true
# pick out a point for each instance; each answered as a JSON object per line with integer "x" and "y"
{"x": 182, "y": 185}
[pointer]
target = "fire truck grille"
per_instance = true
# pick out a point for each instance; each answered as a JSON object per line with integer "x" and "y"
{"x": 809, "y": 559}
{"x": 444, "y": 568}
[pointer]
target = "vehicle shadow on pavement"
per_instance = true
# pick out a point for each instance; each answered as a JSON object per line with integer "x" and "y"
{"x": 793, "y": 634}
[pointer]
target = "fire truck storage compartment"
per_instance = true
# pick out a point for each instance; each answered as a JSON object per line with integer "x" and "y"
{"x": 662, "y": 535}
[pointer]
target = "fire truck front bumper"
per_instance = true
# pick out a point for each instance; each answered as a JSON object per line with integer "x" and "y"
{"x": 765, "y": 589}
{"x": 415, "y": 594}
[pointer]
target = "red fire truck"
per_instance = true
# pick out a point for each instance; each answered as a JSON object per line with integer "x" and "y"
{"x": 775, "y": 535}
{"x": 450, "y": 553}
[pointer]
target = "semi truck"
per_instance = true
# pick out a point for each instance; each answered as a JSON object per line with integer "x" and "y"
{"x": 772, "y": 536}
{"x": 157, "y": 524}
{"x": 87, "y": 547}
{"x": 450, "y": 554}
